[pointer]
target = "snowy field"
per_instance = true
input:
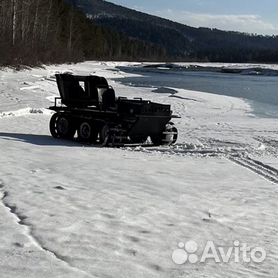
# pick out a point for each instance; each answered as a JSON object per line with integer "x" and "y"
{"x": 68, "y": 210}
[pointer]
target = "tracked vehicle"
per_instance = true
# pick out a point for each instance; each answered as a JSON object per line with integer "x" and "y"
{"x": 88, "y": 111}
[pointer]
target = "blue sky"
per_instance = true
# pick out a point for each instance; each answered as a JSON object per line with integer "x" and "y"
{"x": 253, "y": 16}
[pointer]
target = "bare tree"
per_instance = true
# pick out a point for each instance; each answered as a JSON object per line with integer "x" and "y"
{"x": 36, "y": 23}
{"x": 71, "y": 17}
{"x": 14, "y": 19}
{"x": 48, "y": 16}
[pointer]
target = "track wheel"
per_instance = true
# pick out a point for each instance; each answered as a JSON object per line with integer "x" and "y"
{"x": 174, "y": 134}
{"x": 157, "y": 139}
{"x": 61, "y": 126}
{"x": 138, "y": 139}
{"x": 87, "y": 132}
{"x": 168, "y": 137}
{"x": 53, "y": 125}
{"x": 104, "y": 135}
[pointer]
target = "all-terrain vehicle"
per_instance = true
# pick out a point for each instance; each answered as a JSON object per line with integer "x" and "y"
{"x": 87, "y": 106}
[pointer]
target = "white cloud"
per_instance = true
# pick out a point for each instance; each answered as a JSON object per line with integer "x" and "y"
{"x": 243, "y": 23}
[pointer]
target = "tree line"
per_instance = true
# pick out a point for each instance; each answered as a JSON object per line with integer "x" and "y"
{"x": 184, "y": 43}
{"x": 34, "y": 32}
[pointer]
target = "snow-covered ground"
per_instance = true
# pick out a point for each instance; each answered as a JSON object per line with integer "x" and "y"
{"x": 69, "y": 210}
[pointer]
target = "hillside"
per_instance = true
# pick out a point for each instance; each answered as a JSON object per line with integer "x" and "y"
{"x": 34, "y": 32}
{"x": 180, "y": 41}
{"x": 42, "y": 31}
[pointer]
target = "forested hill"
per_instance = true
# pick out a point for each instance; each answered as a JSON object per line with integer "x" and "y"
{"x": 55, "y": 31}
{"x": 51, "y": 31}
{"x": 182, "y": 42}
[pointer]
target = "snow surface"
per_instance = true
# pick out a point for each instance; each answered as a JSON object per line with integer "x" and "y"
{"x": 68, "y": 210}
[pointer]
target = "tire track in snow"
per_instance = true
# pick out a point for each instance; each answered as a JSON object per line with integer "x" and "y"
{"x": 256, "y": 166}
{"x": 268, "y": 141}
{"x": 24, "y": 112}
{"x": 190, "y": 149}
{"x": 229, "y": 150}
{"x": 28, "y": 231}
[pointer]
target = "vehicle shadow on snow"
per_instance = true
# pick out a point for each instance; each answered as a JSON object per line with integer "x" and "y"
{"x": 35, "y": 139}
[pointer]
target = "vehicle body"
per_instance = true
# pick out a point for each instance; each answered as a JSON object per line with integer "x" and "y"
{"x": 87, "y": 105}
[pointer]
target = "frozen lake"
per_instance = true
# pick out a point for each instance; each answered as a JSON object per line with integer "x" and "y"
{"x": 259, "y": 91}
